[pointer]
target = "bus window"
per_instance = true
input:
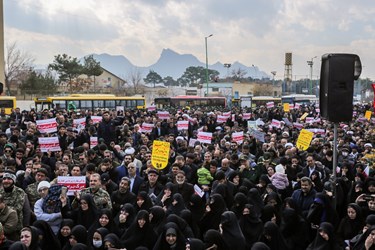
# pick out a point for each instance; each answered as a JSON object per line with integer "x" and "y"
{"x": 59, "y": 104}
{"x": 140, "y": 103}
{"x": 111, "y": 104}
{"x": 121, "y": 103}
{"x": 86, "y": 104}
{"x": 98, "y": 104}
{"x": 130, "y": 103}
{"x": 6, "y": 104}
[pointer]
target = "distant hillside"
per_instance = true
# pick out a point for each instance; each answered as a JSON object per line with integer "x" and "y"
{"x": 171, "y": 64}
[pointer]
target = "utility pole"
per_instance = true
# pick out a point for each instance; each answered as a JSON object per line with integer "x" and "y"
{"x": 311, "y": 64}
{"x": 205, "y": 39}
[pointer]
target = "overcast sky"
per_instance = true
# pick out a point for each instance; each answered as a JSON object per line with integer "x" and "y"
{"x": 253, "y": 32}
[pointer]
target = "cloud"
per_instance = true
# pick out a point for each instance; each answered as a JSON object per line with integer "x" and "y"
{"x": 250, "y": 31}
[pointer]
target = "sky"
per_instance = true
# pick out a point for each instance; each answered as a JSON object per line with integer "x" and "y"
{"x": 253, "y": 32}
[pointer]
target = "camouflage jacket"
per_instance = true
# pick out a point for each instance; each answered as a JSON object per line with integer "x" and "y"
{"x": 101, "y": 198}
{"x": 16, "y": 201}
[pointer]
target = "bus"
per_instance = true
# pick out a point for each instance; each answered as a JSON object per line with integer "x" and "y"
{"x": 8, "y": 103}
{"x": 300, "y": 98}
{"x": 183, "y": 101}
{"x": 90, "y": 102}
{"x": 257, "y": 101}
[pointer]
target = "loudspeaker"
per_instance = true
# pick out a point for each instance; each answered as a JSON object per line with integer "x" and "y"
{"x": 337, "y": 76}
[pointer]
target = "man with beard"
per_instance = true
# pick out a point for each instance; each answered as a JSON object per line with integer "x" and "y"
{"x": 183, "y": 187}
{"x": 122, "y": 195}
{"x": 16, "y": 199}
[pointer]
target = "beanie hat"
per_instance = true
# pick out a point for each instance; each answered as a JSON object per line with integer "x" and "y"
{"x": 9, "y": 175}
{"x": 43, "y": 184}
{"x": 280, "y": 169}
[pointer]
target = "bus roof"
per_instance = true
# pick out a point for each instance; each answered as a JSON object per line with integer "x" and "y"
{"x": 195, "y": 97}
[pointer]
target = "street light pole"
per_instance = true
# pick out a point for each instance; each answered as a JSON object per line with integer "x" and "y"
{"x": 311, "y": 64}
{"x": 205, "y": 39}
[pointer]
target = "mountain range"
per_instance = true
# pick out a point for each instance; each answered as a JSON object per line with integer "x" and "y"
{"x": 171, "y": 63}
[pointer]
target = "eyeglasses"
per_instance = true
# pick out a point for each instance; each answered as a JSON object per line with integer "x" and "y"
{"x": 7, "y": 151}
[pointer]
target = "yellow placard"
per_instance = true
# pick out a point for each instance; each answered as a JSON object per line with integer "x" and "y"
{"x": 304, "y": 139}
{"x": 160, "y": 154}
{"x": 304, "y": 116}
{"x": 286, "y": 107}
{"x": 368, "y": 114}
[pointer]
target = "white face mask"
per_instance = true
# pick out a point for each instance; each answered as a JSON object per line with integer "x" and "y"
{"x": 97, "y": 243}
{"x": 345, "y": 153}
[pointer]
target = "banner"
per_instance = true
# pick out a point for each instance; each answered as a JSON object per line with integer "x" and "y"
{"x": 73, "y": 183}
{"x": 93, "y": 141}
{"x": 304, "y": 116}
{"x": 287, "y": 122}
{"x": 49, "y": 144}
{"x": 221, "y": 119}
{"x": 164, "y": 115}
{"x": 147, "y": 127}
{"x": 47, "y": 126}
{"x": 233, "y": 118}
{"x": 120, "y": 108}
{"x": 205, "y": 137}
{"x": 258, "y": 135}
{"x": 96, "y": 119}
{"x": 252, "y": 124}
{"x": 246, "y": 116}
{"x": 227, "y": 114}
{"x": 309, "y": 119}
{"x": 237, "y": 137}
{"x": 79, "y": 124}
{"x": 298, "y": 125}
{"x": 275, "y": 123}
{"x": 270, "y": 105}
{"x": 317, "y": 131}
{"x": 297, "y": 106}
{"x": 286, "y": 107}
{"x": 151, "y": 108}
{"x": 259, "y": 122}
{"x": 304, "y": 139}
{"x": 182, "y": 125}
{"x": 160, "y": 154}
{"x": 373, "y": 88}
{"x": 192, "y": 142}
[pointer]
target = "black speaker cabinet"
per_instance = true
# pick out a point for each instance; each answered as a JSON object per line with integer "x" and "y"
{"x": 337, "y": 76}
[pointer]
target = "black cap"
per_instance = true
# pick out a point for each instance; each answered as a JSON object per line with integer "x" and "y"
{"x": 105, "y": 177}
{"x": 152, "y": 171}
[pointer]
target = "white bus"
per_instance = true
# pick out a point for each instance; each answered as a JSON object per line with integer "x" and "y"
{"x": 299, "y": 98}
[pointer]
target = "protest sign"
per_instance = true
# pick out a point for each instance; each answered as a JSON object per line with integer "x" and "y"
{"x": 160, "y": 154}
{"x": 93, "y": 141}
{"x": 304, "y": 139}
{"x": 238, "y": 137}
{"x": 49, "y": 144}
{"x": 204, "y": 137}
{"x": 47, "y": 125}
{"x": 73, "y": 183}
{"x": 182, "y": 125}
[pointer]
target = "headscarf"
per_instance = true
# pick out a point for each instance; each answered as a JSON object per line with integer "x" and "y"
{"x": 50, "y": 240}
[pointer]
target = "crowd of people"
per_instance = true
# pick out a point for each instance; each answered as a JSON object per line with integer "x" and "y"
{"x": 259, "y": 192}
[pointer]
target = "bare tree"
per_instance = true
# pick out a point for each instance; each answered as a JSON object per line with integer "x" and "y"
{"x": 238, "y": 74}
{"x": 16, "y": 64}
{"x": 262, "y": 89}
{"x": 134, "y": 81}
